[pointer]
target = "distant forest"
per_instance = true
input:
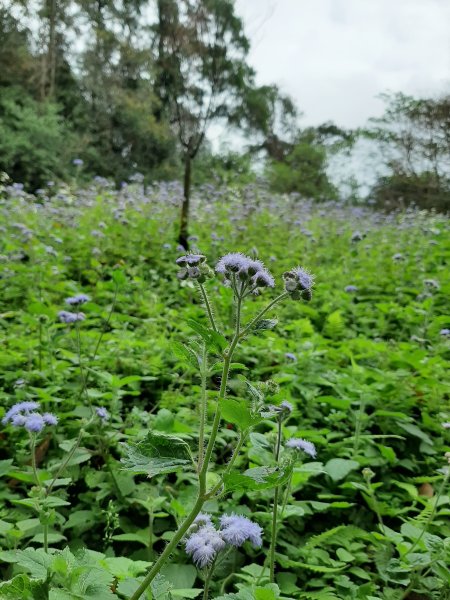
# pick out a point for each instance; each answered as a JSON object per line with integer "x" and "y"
{"x": 113, "y": 88}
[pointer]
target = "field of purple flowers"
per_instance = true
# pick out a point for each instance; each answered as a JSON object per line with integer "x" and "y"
{"x": 222, "y": 428}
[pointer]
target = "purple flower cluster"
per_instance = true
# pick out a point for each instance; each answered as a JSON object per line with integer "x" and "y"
{"x": 303, "y": 445}
{"x": 77, "y": 299}
{"x": 244, "y": 272}
{"x": 193, "y": 266}
{"x": 24, "y": 414}
{"x": 298, "y": 283}
{"x": 70, "y": 317}
{"x": 351, "y": 289}
{"x": 206, "y": 541}
{"x": 102, "y": 413}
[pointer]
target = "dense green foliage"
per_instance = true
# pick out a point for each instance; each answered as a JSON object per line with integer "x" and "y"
{"x": 364, "y": 367}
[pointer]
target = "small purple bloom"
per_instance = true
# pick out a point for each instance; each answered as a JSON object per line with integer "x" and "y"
{"x": 203, "y": 519}
{"x": 77, "y": 299}
{"x": 77, "y": 162}
{"x": 445, "y": 332}
{"x": 285, "y": 405}
{"x": 446, "y": 425}
{"x": 19, "y": 408}
{"x": 291, "y": 356}
{"x": 102, "y": 413}
{"x": 398, "y": 257}
{"x": 236, "y": 529}
{"x": 304, "y": 445}
{"x": 34, "y": 423}
{"x": 233, "y": 262}
{"x": 350, "y": 289}
{"x": 263, "y": 279}
{"x": 50, "y": 419}
{"x": 305, "y": 279}
{"x": 70, "y": 317}
{"x": 203, "y": 545}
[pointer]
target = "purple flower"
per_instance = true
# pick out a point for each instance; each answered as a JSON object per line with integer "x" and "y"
{"x": 305, "y": 279}
{"x": 77, "y": 162}
{"x": 190, "y": 260}
{"x": 204, "y": 544}
{"x": 233, "y": 262}
{"x": 34, "y": 423}
{"x": 70, "y": 317}
{"x": 203, "y": 519}
{"x": 398, "y": 257}
{"x": 77, "y": 299}
{"x": 263, "y": 279}
{"x": 102, "y": 413}
{"x": 446, "y": 425}
{"x": 237, "y": 529}
{"x": 285, "y": 405}
{"x": 19, "y": 408}
{"x": 291, "y": 356}
{"x": 50, "y": 419}
{"x": 350, "y": 289}
{"x": 445, "y": 332}
{"x": 304, "y": 445}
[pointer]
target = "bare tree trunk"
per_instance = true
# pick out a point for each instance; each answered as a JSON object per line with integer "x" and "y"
{"x": 52, "y": 46}
{"x": 184, "y": 224}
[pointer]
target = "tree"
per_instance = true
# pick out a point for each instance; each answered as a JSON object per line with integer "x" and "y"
{"x": 414, "y": 136}
{"x": 202, "y": 74}
{"x": 303, "y": 168}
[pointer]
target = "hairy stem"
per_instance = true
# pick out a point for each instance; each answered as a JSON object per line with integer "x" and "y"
{"x": 203, "y": 407}
{"x": 208, "y": 307}
{"x": 273, "y": 540}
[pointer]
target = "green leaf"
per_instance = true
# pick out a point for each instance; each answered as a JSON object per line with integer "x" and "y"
{"x": 157, "y": 453}
{"x": 259, "y": 478}
{"x": 36, "y": 562}
{"x": 265, "y": 324}
{"x": 21, "y": 587}
{"x": 415, "y": 431}
{"x": 212, "y": 338}
{"x": 338, "y": 468}
{"x": 180, "y": 576}
{"x": 161, "y": 588}
{"x": 238, "y": 413}
{"x": 5, "y": 466}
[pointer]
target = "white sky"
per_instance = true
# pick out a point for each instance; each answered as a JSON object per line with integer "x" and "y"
{"x": 334, "y": 56}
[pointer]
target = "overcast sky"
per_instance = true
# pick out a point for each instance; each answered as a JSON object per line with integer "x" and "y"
{"x": 334, "y": 56}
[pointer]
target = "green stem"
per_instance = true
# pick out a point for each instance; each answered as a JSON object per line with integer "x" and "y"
{"x": 203, "y": 407}
{"x": 41, "y": 508}
{"x": 275, "y": 507}
{"x": 262, "y": 313}
{"x": 208, "y": 580}
{"x": 216, "y": 488}
{"x": 65, "y": 462}
{"x": 208, "y": 307}
{"x": 202, "y": 496}
{"x": 201, "y": 477}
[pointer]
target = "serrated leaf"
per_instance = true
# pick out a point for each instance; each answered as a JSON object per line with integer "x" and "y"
{"x": 265, "y": 324}
{"x": 157, "y": 453}
{"x": 212, "y": 338}
{"x": 21, "y": 587}
{"x": 259, "y": 478}
{"x": 238, "y": 413}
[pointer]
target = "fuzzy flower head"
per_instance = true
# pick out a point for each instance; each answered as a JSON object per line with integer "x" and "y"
{"x": 102, "y": 413}
{"x": 351, "y": 289}
{"x": 237, "y": 529}
{"x": 303, "y": 445}
{"x": 445, "y": 332}
{"x": 77, "y": 299}
{"x": 243, "y": 273}
{"x": 24, "y": 414}
{"x": 203, "y": 545}
{"x": 193, "y": 266}
{"x": 298, "y": 282}
{"x": 70, "y": 317}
